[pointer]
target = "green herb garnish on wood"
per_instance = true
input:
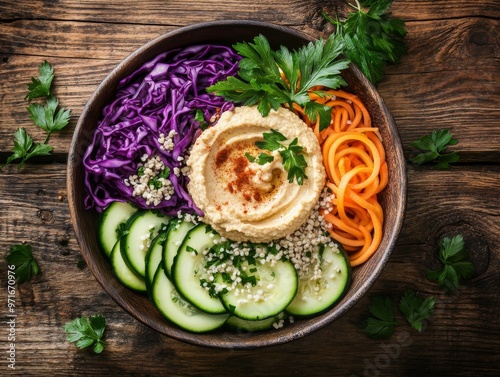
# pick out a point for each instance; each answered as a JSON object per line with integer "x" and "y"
{"x": 40, "y": 86}
{"x": 372, "y": 38}
{"x": 380, "y": 324}
{"x": 270, "y": 79}
{"x": 433, "y": 148}
{"x": 415, "y": 309}
{"x": 25, "y": 148}
{"x": 452, "y": 255}
{"x": 294, "y": 161}
{"x": 21, "y": 257}
{"x": 49, "y": 116}
{"x": 86, "y": 332}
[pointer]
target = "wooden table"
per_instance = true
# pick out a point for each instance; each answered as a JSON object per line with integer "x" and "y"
{"x": 449, "y": 79}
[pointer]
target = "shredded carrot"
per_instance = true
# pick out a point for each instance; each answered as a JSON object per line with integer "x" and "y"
{"x": 354, "y": 160}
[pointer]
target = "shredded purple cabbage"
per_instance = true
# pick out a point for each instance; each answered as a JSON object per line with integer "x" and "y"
{"x": 162, "y": 95}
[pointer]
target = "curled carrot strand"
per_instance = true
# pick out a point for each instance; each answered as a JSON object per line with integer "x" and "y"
{"x": 354, "y": 160}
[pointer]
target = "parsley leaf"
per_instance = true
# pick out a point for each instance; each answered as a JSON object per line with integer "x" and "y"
{"x": 272, "y": 140}
{"x": 372, "y": 37}
{"x": 25, "y": 264}
{"x": 199, "y": 117}
{"x": 381, "y": 322}
{"x": 433, "y": 146}
{"x": 452, "y": 254}
{"x": 270, "y": 79}
{"x": 24, "y": 148}
{"x": 416, "y": 309}
{"x": 261, "y": 159}
{"x": 48, "y": 117}
{"x": 40, "y": 86}
{"x": 85, "y": 332}
{"x": 294, "y": 161}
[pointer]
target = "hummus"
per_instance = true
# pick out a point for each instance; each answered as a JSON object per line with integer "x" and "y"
{"x": 244, "y": 200}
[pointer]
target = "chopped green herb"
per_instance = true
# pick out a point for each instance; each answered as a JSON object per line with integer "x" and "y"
{"x": 121, "y": 230}
{"x": 21, "y": 257}
{"x": 85, "y": 332}
{"x": 191, "y": 250}
{"x": 415, "y": 309}
{"x": 154, "y": 183}
{"x": 200, "y": 118}
{"x": 165, "y": 173}
{"x": 226, "y": 278}
{"x": 433, "y": 147}
{"x": 452, "y": 254}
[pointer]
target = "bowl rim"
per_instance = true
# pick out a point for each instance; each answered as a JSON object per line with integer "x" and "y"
{"x": 256, "y": 340}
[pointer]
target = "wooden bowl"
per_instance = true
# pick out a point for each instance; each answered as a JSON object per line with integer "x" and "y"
{"x": 85, "y": 222}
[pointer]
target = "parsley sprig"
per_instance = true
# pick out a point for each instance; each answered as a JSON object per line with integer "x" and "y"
{"x": 416, "y": 309}
{"x": 86, "y": 332}
{"x": 21, "y": 256}
{"x": 40, "y": 86}
{"x": 25, "y": 148}
{"x": 292, "y": 155}
{"x": 433, "y": 147}
{"x": 47, "y": 115}
{"x": 272, "y": 78}
{"x": 372, "y": 37}
{"x": 452, "y": 255}
{"x": 380, "y": 322}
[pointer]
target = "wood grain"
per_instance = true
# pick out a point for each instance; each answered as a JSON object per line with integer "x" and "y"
{"x": 463, "y": 332}
{"x": 449, "y": 79}
{"x": 463, "y": 51}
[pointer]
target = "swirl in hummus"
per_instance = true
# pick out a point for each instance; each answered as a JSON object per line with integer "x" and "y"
{"x": 246, "y": 201}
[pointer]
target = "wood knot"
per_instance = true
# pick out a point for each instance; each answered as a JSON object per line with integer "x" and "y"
{"x": 481, "y": 40}
{"x": 45, "y": 215}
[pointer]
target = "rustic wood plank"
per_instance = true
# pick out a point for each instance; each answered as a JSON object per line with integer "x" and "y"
{"x": 172, "y": 13}
{"x": 463, "y": 332}
{"x": 419, "y": 100}
{"x": 449, "y": 79}
{"x": 178, "y": 12}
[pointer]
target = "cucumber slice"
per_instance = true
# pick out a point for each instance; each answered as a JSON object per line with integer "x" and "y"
{"x": 123, "y": 273}
{"x": 244, "y": 325}
{"x": 141, "y": 229}
{"x": 275, "y": 287}
{"x": 111, "y": 220}
{"x": 188, "y": 269}
{"x": 154, "y": 257}
{"x": 177, "y": 231}
{"x": 180, "y": 312}
{"x": 314, "y": 295}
